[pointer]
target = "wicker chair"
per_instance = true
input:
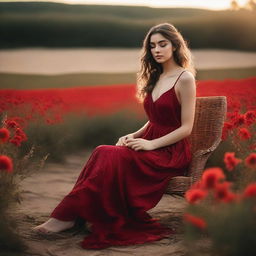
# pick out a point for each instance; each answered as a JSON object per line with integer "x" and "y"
{"x": 205, "y": 137}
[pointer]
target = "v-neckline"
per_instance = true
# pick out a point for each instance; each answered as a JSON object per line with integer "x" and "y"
{"x": 160, "y": 95}
{"x": 167, "y": 90}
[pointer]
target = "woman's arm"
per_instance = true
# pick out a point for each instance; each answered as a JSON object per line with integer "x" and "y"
{"x": 187, "y": 92}
{"x": 122, "y": 140}
{"x": 140, "y": 131}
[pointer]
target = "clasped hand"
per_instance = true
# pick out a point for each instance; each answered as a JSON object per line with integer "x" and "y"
{"x": 136, "y": 143}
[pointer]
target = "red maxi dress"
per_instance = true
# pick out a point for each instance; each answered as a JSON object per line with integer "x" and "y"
{"x": 118, "y": 185}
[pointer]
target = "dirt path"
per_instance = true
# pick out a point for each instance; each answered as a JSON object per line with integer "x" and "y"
{"x": 42, "y": 192}
{"x": 91, "y": 60}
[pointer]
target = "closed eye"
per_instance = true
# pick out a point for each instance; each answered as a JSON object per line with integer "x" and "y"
{"x": 152, "y": 46}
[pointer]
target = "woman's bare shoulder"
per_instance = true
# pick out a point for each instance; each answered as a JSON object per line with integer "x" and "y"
{"x": 187, "y": 77}
{"x": 186, "y": 80}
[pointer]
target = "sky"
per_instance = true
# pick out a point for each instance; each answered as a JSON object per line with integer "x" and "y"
{"x": 206, "y": 4}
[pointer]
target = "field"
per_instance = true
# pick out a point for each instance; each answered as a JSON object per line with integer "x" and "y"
{"x": 61, "y": 86}
{"x": 57, "y": 104}
{"x": 70, "y": 141}
{"x": 112, "y": 98}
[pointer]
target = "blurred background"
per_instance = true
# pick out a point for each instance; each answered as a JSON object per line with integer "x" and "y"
{"x": 68, "y": 84}
{"x": 80, "y": 58}
{"x": 72, "y": 43}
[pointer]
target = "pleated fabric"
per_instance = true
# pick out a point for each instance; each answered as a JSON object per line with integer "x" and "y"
{"x": 118, "y": 185}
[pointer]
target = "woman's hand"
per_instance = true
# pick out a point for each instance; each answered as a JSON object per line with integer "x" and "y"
{"x": 139, "y": 144}
{"x": 122, "y": 140}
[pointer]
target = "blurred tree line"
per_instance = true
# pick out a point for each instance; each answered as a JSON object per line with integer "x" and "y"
{"x": 249, "y": 5}
{"x": 49, "y": 24}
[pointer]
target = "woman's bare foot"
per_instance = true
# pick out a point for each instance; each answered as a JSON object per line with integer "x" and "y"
{"x": 54, "y": 225}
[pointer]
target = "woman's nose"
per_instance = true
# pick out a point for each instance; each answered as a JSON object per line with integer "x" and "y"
{"x": 156, "y": 49}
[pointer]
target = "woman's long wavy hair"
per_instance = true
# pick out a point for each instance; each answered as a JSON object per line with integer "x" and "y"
{"x": 150, "y": 70}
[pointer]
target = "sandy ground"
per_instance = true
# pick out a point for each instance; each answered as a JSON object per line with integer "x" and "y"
{"x": 41, "y": 193}
{"x": 102, "y": 60}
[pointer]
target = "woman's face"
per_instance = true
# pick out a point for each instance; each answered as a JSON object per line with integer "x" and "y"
{"x": 161, "y": 48}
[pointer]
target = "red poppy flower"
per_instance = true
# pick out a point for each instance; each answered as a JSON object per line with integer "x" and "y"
{"x": 238, "y": 120}
{"x": 211, "y": 177}
{"x": 244, "y": 134}
{"x": 6, "y": 163}
{"x": 233, "y": 115}
{"x": 195, "y": 195}
{"x": 250, "y": 190}
{"x": 250, "y": 117}
{"x": 225, "y": 130}
{"x": 4, "y": 134}
{"x": 21, "y": 133}
{"x": 11, "y": 124}
{"x": 231, "y": 161}
{"x": 222, "y": 192}
{"x": 16, "y": 140}
{"x": 230, "y": 197}
{"x": 195, "y": 221}
{"x": 19, "y": 120}
{"x": 222, "y": 189}
{"x": 250, "y": 160}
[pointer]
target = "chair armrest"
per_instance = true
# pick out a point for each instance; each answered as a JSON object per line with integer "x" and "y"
{"x": 208, "y": 150}
{"x": 180, "y": 184}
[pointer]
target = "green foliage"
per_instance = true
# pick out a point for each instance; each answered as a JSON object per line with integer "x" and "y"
{"x": 60, "y": 25}
{"x": 10, "y": 240}
{"x": 18, "y": 165}
{"x": 231, "y": 228}
{"x": 102, "y": 10}
{"x": 29, "y": 81}
{"x": 216, "y": 158}
{"x": 77, "y": 132}
{"x": 10, "y": 237}
{"x": 241, "y": 175}
{"x": 228, "y": 208}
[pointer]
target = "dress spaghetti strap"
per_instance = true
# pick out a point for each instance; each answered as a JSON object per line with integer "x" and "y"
{"x": 179, "y": 77}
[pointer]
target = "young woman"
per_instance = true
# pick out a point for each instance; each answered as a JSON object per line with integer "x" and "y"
{"x": 120, "y": 183}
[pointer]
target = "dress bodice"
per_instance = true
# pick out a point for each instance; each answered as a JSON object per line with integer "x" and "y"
{"x": 164, "y": 113}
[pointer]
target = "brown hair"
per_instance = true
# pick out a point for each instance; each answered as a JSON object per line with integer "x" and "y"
{"x": 150, "y": 70}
